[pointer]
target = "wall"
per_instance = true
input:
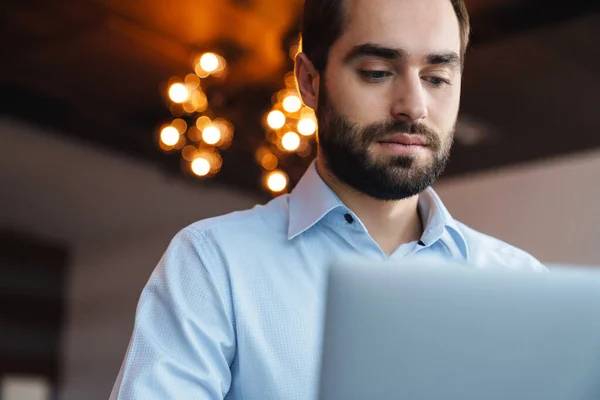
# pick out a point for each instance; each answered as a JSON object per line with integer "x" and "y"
{"x": 116, "y": 217}
{"x": 71, "y": 192}
{"x": 550, "y": 209}
{"x": 106, "y": 281}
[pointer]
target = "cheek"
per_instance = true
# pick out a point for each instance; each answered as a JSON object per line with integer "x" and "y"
{"x": 443, "y": 110}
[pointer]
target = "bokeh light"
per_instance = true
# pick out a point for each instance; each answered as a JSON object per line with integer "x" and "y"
{"x": 269, "y": 162}
{"x": 276, "y": 119}
{"x": 200, "y": 142}
{"x": 290, "y": 141}
{"x": 192, "y": 81}
{"x": 200, "y": 72}
{"x": 202, "y": 122}
{"x": 189, "y": 153}
{"x": 189, "y": 107}
{"x": 209, "y": 62}
{"x": 292, "y": 103}
{"x": 277, "y": 181}
{"x": 180, "y": 125}
{"x": 200, "y": 166}
{"x": 199, "y": 100}
{"x": 169, "y": 136}
{"x": 290, "y": 79}
{"x": 179, "y": 93}
{"x": 226, "y": 128}
{"x": 211, "y": 135}
{"x": 216, "y": 162}
{"x": 261, "y": 152}
{"x": 307, "y": 126}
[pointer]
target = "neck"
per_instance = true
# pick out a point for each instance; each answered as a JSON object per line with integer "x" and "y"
{"x": 390, "y": 223}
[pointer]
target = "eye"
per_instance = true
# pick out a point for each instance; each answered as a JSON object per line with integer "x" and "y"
{"x": 436, "y": 81}
{"x": 375, "y": 76}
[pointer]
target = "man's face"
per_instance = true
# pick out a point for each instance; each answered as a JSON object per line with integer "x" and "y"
{"x": 389, "y": 97}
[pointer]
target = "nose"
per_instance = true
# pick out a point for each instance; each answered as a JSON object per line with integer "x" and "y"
{"x": 410, "y": 99}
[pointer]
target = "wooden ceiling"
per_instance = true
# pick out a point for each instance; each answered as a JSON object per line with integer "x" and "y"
{"x": 94, "y": 69}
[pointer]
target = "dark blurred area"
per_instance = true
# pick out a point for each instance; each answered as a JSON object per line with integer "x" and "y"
{"x": 89, "y": 199}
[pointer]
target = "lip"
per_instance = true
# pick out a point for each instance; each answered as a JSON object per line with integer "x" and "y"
{"x": 401, "y": 149}
{"x": 404, "y": 139}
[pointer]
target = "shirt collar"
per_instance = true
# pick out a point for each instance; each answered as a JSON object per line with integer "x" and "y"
{"x": 438, "y": 224}
{"x": 312, "y": 199}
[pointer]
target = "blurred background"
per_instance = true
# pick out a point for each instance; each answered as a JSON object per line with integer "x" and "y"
{"x": 122, "y": 121}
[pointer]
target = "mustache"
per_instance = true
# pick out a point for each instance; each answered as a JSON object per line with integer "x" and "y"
{"x": 378, "y": 131}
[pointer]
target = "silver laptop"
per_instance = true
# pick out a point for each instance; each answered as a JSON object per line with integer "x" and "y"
{"x": 434, "y": 330}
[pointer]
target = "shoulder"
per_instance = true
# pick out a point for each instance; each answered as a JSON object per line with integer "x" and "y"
{"x": 209, "y": 249}
{"x": 238, "y": 227}
{"x": 487, "y": 251}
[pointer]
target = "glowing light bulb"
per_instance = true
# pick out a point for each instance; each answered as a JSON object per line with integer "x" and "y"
{"x": 276, "y": 119}
{"x": 292, "y": 103}
{"x": 290, "y": 141}
{"x": 201, "y": 166}
{"x": 307, "y": 126}
{"x": 209, "y": 62}
{"x": 211, "y": 135}
{"x": 277, "y": 181}
{"x": 178, "y": 93}
{"x": 169, "y": 135}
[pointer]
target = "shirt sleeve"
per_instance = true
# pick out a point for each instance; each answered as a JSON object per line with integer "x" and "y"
{"x": 183, "y": 341}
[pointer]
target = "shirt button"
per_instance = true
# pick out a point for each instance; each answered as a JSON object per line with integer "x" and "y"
{"x": 349, "y": 218}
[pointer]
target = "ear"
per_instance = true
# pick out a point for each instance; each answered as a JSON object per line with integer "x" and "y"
{"x": 308, "y": 80}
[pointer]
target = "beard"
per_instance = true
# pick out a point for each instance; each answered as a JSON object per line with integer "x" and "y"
{"x": 345, "y": 147}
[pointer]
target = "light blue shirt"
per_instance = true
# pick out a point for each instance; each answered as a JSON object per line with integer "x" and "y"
{"x": 235, "y": 306}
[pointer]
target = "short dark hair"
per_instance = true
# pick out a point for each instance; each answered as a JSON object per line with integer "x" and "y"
{"x": 323, "y": 22}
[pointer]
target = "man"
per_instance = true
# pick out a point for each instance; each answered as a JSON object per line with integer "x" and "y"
{"x": 234, "y": 308}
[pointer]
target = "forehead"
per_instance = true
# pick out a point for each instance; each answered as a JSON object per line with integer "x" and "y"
{"x": 416, "y": 26}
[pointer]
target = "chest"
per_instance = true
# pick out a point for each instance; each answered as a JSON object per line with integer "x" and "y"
{"x": 278, "y": 304}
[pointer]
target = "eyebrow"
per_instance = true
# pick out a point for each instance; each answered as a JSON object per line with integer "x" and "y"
{"x": 450, "y": 58}
{"x": 373, "y": 50}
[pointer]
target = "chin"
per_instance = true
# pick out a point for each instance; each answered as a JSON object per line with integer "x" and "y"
{"x": 413, "y": 160}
